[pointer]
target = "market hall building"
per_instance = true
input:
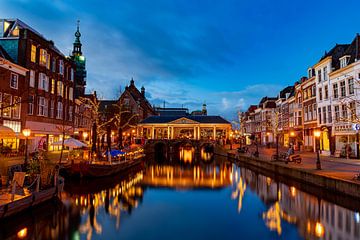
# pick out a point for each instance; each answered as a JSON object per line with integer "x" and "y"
{"x": 189, "y": 126}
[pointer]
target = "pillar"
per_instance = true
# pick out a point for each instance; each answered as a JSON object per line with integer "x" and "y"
{"x": 168, "y": 132}
{"x": 172, "y": 132}
{"x": 198, "y": 135}
{"x": 152, "y": 133}
{"x": 214, "y": 133}
{"x": 195, "y": 135}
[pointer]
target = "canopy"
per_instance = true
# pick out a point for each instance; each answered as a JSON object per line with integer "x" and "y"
{"x": 71, "y": 143}
{"x": 114, "y": 153}
{"x": 6, "y": 132}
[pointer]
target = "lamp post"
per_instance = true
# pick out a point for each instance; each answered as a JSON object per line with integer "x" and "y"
{"x": 317, "y": 134}
{"x": 292, "y": 135}
{"x": 26, "y": 133}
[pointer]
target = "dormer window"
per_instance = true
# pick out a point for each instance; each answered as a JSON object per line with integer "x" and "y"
{"x": 344, "y": 61}
{"x": 310, "y": 73}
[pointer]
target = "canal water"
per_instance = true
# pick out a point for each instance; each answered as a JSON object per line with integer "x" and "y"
{"x": 188, "y": 198}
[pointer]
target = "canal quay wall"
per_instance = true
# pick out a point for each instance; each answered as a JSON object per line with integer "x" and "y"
{"x": 333, "y": 184}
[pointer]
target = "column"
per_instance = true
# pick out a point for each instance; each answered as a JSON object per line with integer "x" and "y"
{"x": 168, "y": 132}
{"x": 195, "y": 136}
{"x": 172, "y": 132}
{"x": 152, "y": 133}
{"x": 214, "y": 132}
{"x": 198, "y": 134}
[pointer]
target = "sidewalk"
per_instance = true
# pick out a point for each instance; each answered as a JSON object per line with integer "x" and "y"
{"x": 338, "y": 168}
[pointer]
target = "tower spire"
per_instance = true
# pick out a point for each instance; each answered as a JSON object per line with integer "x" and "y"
{"x": 77, "y": 43}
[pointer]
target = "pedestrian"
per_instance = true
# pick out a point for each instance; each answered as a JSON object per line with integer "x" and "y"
{"x": 348, "y": 151}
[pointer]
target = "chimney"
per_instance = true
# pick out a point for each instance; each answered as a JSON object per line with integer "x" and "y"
{"x": 143, "y": 91}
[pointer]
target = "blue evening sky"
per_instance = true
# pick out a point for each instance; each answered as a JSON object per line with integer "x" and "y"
{"x": 226, "y": 53}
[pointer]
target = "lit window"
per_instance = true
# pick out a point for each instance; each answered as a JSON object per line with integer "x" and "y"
{"x": 16, "y": 107}
{"x": 52, "y": 86}
{"x": 43, "y": 57}
{"x": 33, "y": 53}
{"x": 14, "y": 80}
{"x": 6, "y": 105}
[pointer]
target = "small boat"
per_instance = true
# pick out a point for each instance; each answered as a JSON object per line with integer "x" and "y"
{"x": 104, "y": 168}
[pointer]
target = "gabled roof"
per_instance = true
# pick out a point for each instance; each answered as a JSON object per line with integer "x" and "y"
{"x": 4, "y": 54}
{"x": 336, "y": 53}
{"x": 137, "y": 96}
{"x": 104, "y": 104}
{"x": 200, "y": 119}
{"x": 288, "y": 89}
{"x": 353, "y": 50}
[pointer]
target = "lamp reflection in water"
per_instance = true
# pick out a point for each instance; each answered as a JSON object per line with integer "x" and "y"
{"x": 187, "y": 154}
{"x": 205, "y": 156}
{"x": 22, "y": 233}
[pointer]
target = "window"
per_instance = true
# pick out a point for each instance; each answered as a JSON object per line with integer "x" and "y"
{"x": 14, "y": 80}
{"x": 32, "y": 78}
{"x": 319, "y": 75}
{"x": 319, "y": 114}
{"x": 43, "y": 82}
{"x": 306, "y": 113}
{"x": 309, "y": 73}
{"x": 48, "y": 61}
{"x": 33, "y": 53}
{"x": 313, "y": 91}
{"x": 337, "y": 113}
{"x": 336, "y": 90}
{"x": 70, "y": 113}
{"x": 16, "y": 107}
{"x": 320, "y": 94}
{"x": 31, "y": 105}
{"x": 52, "y": 108}
{"x": 314, "y": 111}
{"x": 329, "y": 114}
{"x": 52, "y": 86}
{"x": 41, "y": 106}
{"x": 326, "y": 92}
{"x": 324, "y": 114}
{"x": 72, "y": 74}
{"x": 59, "y": 112}
{"x": 6, "y": 108}
{"x": 71, "y": 94}
{"x": 60, "y": 89}
{"x": 43, "y": 57}
{"x": 61, "y": 67}
{"x": 344, "y": 61}
{"x": 342, "y": 89}
{"x": 325, "y": 73}
{"x": 344, "y": 111}
{"x": 53, "y": 65}
{"x": 310, "y": 112}
{"x": 352, "y": 110}
{"x": 351, "y": 85}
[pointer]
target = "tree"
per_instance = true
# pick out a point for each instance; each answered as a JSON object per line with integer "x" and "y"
{"x": 274, "y": 124}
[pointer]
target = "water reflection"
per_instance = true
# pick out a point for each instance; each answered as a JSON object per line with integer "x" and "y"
{"x": 212, "y": 200}
{"x": 314, "y": 217}
{"x": 187, "y": 154}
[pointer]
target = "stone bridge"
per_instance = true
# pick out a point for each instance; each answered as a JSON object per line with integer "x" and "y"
{"x": 165, "y": 148}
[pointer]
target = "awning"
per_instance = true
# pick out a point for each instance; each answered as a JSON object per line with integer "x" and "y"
{"x": 6, "y": 132}
{"x": 70, "y": 142}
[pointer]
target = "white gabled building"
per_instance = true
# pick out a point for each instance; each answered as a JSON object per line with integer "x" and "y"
{"x": 323, "y": 68}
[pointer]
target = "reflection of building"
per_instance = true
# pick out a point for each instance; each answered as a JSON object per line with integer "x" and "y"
{"x": 314, "y": 217}
{"x": 172, "y": 176}
{"x": 193, "y": 127}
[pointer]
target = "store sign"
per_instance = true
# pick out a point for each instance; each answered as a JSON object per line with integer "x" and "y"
{"x": 356, "y": 126}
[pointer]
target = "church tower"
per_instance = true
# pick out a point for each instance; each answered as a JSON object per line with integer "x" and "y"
{"x": 79, "y": 59}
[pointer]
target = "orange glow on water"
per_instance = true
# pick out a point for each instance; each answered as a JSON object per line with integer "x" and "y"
{"x": 22, "y": 233}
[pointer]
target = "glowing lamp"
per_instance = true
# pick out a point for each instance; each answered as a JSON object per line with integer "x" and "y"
{"x": 22, "y": 233}
{"x": 317, "y": 133}
{"x": 85, "y": 135}
{"x": 292, "y": 134}
{"x": 319, "y": 229}
{"x": 26, "y": 132}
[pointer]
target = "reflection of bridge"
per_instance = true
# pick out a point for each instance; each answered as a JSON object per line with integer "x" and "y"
{"x": 210, "y": 176}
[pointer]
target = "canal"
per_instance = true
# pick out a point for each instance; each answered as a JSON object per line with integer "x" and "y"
{"x": 206, "y": 198}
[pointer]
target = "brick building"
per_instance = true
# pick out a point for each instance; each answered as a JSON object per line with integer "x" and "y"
{"x": 50, "y": 82}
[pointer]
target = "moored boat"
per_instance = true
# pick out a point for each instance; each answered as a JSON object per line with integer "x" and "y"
{"x": 103, "y": 168}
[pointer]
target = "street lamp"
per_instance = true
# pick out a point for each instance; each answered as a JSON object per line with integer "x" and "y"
{"x": 317, "y": 134}
{"x": 85, "y": 135}
{"x": 26, "y": 132}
